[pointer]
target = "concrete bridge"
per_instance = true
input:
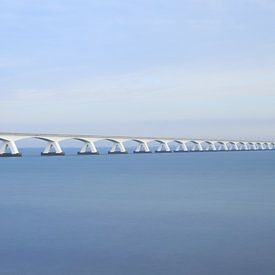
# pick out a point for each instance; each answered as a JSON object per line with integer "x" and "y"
{"x": 8, "y": 147}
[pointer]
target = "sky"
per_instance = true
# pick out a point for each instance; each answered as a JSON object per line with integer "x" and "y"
{"x": 185, "y": 68}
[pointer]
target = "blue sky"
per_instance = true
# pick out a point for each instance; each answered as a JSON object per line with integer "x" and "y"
{"x": 186, "y": 68}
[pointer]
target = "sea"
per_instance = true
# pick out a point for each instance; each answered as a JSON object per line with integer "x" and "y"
{"x": 138, "y": 214}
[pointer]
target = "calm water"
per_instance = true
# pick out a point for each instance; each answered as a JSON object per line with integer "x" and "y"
{"x": 192, "y": 213}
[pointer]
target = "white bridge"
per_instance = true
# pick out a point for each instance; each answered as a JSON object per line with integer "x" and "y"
{"x": 8, "y": 147}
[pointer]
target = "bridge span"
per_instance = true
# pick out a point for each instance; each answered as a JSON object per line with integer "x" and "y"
{"x": 8, "y": 147}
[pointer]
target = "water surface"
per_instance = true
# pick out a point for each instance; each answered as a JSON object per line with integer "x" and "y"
{"x": 189, "y": 213}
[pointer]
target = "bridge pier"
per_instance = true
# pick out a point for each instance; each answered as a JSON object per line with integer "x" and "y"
{"x": 213, "y": 146}
{"x": 251, "y": 146}
{"x": 9, "y": 149}
{"x": 270, "y": 146}
{"x": 230, "y": 146}
{"x": 53, "y": 149}
{"x": 118, "y": 148}
{"x": 88, "y": 149}
{"x": 163, "y": 148}
{"x": 246, "y": 146}
{"x": 261, "y": 146}
{"x": 221, "y": 146}
{"x": 181, "y": 147}
{"x": 236, "y": 146}
{"x": 209, "y": 146}
{"x": 142, "y": 148}
{"x": 225, "y": 146}
{"x": 200, "y": 147}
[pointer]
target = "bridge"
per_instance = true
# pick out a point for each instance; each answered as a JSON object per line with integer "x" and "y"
{"x": 8, "y": 147}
